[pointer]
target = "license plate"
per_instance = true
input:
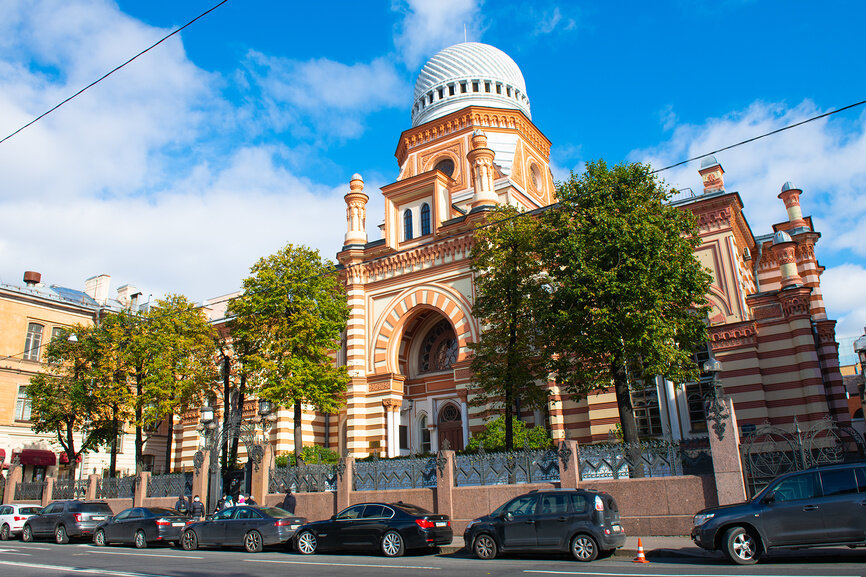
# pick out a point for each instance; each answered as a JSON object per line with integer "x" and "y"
{"x": 441, "y": 523}
{"x": 617, "y": 528}
{"x": 296, "y": 526}
{"x": 178, "y": 524}
{"x": 98, "y": 518}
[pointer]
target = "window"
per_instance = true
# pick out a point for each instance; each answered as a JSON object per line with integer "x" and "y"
{"x": 646, "y": 412}
{"x": 861, "y": 478}
{"x": 374, "y": 511}
{"x": 123, "y": 515}
{"x": 247, "y": 513}
{"x": 224, "y": 514}
{"x": 404, "y": 437}
{"x": 463, "y": 88}
{"x": 578, "y": 503}
{"x": 697, "y": 393}
{"x": 439, "y": 349}
{"x": 33, "y": 343}
{"x": 445, "y": 165}
{"x": 556, "y": 503}
{"x": 22, "y": 405}
{"x": 524, "y": 505}
{"x": 407, "y": 224}
{"x": 839, "y": 482}
{"x": 796, "y": 488}
{"x": 425, "y": 219}
{"x": 351, "y": 512}
{"x": 424, "y": 434}
{"x": 475, "y": 86}
{"x": 450, "y": 90}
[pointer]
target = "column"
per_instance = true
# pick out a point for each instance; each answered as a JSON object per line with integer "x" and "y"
{"x": 261, "y": 477}
{"x": 140, "y": 489}
{"x": 444, "y": 486}
{"x": 392, "y": 441}
{"x": 727, "y": 466}
{"x": 200, "y": 476}
{"x": 344, "y": 485}
{"x": 569, "y": 464}
{"x": 15, "y": 476}
{"x": 464, "y": 416}
{"x": 92, "y": 486}
{"x": 48, "y": 491}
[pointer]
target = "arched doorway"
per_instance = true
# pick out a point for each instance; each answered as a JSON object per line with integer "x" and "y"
{"x": 450, "y": 425}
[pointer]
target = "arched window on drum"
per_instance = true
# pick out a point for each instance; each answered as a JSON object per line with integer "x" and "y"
{"x": 425, "y": 219}
{"x": 407, "y": 224}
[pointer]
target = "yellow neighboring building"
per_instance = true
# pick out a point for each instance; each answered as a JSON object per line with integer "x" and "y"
{"x": 30, "y": 316}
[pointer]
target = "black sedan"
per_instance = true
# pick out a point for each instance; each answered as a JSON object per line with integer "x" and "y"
{"x": 252, "y": 527}
{"x": 141, "y": 526}
{"x": 391, "y": 527}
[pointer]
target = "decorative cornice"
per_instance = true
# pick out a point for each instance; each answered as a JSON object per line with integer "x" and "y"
{"x": 733, "y": 336}
{"x": 455, "y": 248}
{"x": 826, "y": 332}
{"x": 796, "y": 302}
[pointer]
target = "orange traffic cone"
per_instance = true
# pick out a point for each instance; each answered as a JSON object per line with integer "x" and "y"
{"x": 641, "y": 558}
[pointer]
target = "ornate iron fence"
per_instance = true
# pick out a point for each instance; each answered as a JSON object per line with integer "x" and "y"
{"x": 70, "y": 489}
{"x": 771, "y": 451}
{"x": 115, "y": 488}
{"x": 411, "y": 473}
{"x": 170, "y": 485}
{"x": 508, "y": 467}
{"x": 313, "y": 478}
{"x": 645, "y": 459}
{"x": 29, "y": 491}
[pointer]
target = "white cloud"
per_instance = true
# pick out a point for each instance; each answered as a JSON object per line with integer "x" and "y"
{"x": 824, "y": 158}
{"x": 427, "y": 27}
{"x": 552, "y": 20}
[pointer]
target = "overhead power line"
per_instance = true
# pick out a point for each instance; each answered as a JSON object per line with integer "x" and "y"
{"x": 106, "y": 75}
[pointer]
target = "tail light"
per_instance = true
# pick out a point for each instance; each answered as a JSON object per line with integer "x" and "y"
{"x": 77, "y": 517}
{"x": 428, "y": 524}
{"x": 19, "y": 518}
{"x": 162, "y": 523}
{"x": 283, "y": 523}
{"x": 599, "y": 504}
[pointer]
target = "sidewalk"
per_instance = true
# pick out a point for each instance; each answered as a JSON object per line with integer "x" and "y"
{"x": 679, "y": 546}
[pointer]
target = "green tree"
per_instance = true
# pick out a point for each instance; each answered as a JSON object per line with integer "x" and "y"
{"x": 493, "y": 438}
{"x": 66, "y": 400}
{"x": 629, "y": 297}
{"x": 507, "y": 360}
{"x": 289, "y": 319}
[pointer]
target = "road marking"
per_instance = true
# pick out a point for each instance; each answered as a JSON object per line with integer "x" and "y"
{"x": 549, "y": 572}
{"x": 345, "y": 564}
{"x": 79, "y": 569}
{"x": 127, "y": 553}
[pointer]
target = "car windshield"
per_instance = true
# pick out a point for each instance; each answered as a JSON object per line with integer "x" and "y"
{"x": 165, "y": 511}
{"x": 411, "y": 509}
{"x": 90, "y": 508}
{"x": 275, "y": 512}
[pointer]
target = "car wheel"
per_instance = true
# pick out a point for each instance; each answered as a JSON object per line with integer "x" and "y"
{"x": 189, "y": 541}
{"x": 253, "y": 542}
{"x": 584, "y": 548}
{"x": 5, "y": 532}
{"x": 27, "y": 534}
{"x": 140, "y": 539}
{"x": 307, "y": 543}
{"x": 60, "y": 535}
{"x": 484, "y": 547}
{"x": 392, "y": 544}
{"x": 741, "y": 546}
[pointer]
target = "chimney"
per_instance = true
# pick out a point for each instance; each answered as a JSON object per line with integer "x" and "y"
{"x": 96, "y": 287}
{"x": 712, "y": 174}
{"x": 32, "y": 278}
{"x": 790, "y": 195}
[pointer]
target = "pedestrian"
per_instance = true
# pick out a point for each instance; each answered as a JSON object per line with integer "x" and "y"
{"x": 182, "y": 505}
{"x": 197, "y": 508}
{"x": 250, "y": 500}
{"x": 227, "y": 502}
{"x": 289, "y": 502}
{"x": 241, "y": 499}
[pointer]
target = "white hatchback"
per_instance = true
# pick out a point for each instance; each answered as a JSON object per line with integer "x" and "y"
{"x": 12, "y": 519}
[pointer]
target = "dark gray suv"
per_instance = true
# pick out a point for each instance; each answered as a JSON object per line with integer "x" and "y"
{"x": 64, "y": 520}
{"x": 583, "y": 522}
{"x": 817, "y": 507}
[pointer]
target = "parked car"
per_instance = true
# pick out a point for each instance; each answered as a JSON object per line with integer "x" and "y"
{"x": 584, "y": 522}
{"x": 390, "y": 527}
{"x": 12, "y": 519}
{"x": 247, "y": 526}
{"x": 813, "y": 508}
{"x": 65, "y": 520}
{"x": 141, "y": 526}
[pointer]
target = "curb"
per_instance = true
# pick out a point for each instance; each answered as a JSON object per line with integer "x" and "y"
{"x": 689, "y": 553}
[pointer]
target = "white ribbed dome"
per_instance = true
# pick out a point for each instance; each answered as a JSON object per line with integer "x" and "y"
{"x": 466, "y": 74}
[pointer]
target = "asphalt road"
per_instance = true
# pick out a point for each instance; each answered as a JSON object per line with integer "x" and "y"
{"x": 81, "y": 560}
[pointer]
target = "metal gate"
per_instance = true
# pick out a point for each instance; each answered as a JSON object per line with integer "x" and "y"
{"x": 771, "y": 451}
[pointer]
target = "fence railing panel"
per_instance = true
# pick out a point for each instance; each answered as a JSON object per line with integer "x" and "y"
{"x": 311, "y": 478}
{"x": 647, "y": 459}
{"x": 170, "y": 485}
{"x": 70, "y": 489}
{"x": 29, "y": 491}
{"x": 506, "y": 468}
{"x": 115, "y": 488}
{"x": 379, "y": 474}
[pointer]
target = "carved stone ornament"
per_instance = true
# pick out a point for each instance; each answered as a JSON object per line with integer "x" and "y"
{"x": 564, "y": 454}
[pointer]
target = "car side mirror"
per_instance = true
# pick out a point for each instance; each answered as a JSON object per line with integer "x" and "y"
{"x": 333, "y": 517}
{"x": 769, "y": 498}
{"x": 509, "y": 516}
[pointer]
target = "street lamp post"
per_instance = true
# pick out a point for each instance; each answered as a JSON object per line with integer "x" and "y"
{"x": 215, "y": 435}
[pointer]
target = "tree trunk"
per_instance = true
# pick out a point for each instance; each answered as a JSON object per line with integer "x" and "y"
{"x": 139, "y": 437}
{"x": 227, "y": 410}
{"x": 112, "y": 463}
{"x": 509, "y": 369}
{"x": 168, "y": 440}
{"x": 299, "y": 439}
{"x": 233, "y": 451}
{"x": 626, "y": 415}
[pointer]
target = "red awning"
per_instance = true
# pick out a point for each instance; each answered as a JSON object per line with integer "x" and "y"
{"x": 64, "y": 459}
{"x": 36, "y": 457}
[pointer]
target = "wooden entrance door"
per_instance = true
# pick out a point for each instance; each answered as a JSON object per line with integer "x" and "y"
{"x": 450, "y": 425}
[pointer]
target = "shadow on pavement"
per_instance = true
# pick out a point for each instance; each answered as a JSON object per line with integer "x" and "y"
{"x": 692, "y": 556}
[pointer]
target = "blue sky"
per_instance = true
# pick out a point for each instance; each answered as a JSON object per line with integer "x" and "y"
{"x": 241, "y": 134}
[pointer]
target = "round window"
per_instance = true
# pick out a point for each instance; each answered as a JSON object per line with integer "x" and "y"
{"x": 445, "y": 165}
